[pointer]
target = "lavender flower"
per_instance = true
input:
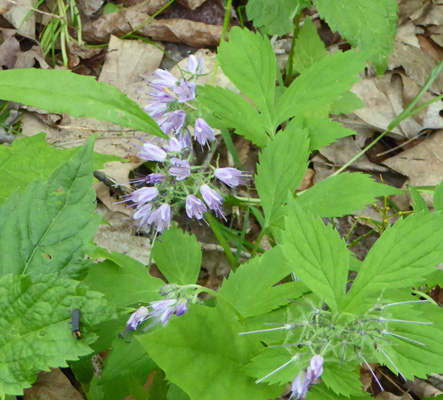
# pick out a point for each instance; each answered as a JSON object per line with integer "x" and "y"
{"x": 212, "y": 199}
{"x": 174, "y": 145}
{"x": 162, "y": 96}
{"x": 305, "y": 379}
{"x": 195, "y": 207}
{"x": 172, "y": 121}
{"x": 203, "y": 133}
{"x": 194, "y": 66}
{"x": 299, "y": 386}
{"x": 162, "y": 310}
{"x": 155, "y": 178}
{"x": 152, "y": 152}
{"x": 137, "y": 318}
{"x": 180, "y": 169}
{"x": 156, "y": 109}
{"x": 164, "y": 79}
{"x": 143, "y": 195}
{"x": 185, "y": 91}
{"x": 316, "y": 368}
{"x": 161, "y": 217}
{"x": 181, "y": 307}
{"x": 231, "y": 176}
{"x": 143, "y": 213}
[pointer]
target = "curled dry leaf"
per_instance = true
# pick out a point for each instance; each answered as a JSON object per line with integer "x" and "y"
{"x": 9, "y": 49}
{"x": 19, "y": 14}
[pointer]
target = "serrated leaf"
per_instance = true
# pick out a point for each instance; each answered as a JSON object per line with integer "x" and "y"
{"x": 269, "y": 360}
{"x": 204, "y": 343}
{"x": 419, "y": 202}
{"x": 234, "y": 111}
{"x": 321, "y": 392}
{"x": 347, "y": 104}
{"x": 413, "y": 359}
{"x": 282, "y": 165}
{"x": 48, "y": 227}
{"x": 368, "y": 25}
{"x": 251, "y": 288}
{"x": 321, "y": 131}
{"x": 178, "y": 256}
{"x": 322, "y": 84}
{"x": 318, "y": 255}
{"x": 62, "y": 91}
{"x": 438, "y": 197}
{"x": 123, "y": 280}
{"x": 343, "y": 194}
{"x": 276, "y": 17}
{"x": 342, "y": 380}
{"x": 30, "y": 158}
{"x": 403, "y": 256}
{"x": 35, "y": 331}
{"x": 309, "y": 48}
{"x": 248, "y": 60}
{"x": 175, "y": 393}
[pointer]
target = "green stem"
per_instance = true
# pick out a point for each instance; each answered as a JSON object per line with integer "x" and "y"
{"x": 222, "y": 240}
{"x": 258, "y": 241}
{"x": 292, "y": 51}
{"x": 223, "y": 37}
{"x": 248, "y": 199}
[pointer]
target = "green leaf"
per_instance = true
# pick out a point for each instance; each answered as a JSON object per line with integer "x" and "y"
{"x": 123, "y": 280}
{"x": 347, "y": 104}
{"x": 175, "y": 393}
{"x": 321, "y": 392}
{"x": 248, "y": 60}
{"x": 410, "y": 358}
{"x": 368, "y": 25}
{"x": 274, "y": 18}
{"x": 30, "y": 158}
{"x": 126, "y": 362}
{"x": 49, "y": 227}
{"x": 438, "y": 197}
{"x": 403, "y": 256}
{"x": 62, "y": 91}
{"x": 204, "y": 343}
{"x": 321, "y": 131}
{"x": 282, "y": 165}
{"x": 251, "y": 288}
{"x": 309, "y": 48}
{"x": 342, "y": 380}
{"x": 320, "y": 258}
{"x": 343, "y": 194}
{"x": 419, "y": 202}
{"x": 35, "y": 331}
{"x": 322, "y": 84}
{"x": 233, "y": 111}
{"x": 178, "y": 256}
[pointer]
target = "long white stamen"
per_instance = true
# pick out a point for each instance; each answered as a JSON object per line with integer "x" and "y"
{"x": 385, "y": 332}
{"x": 278, "y": 369}
{"x": 372, "y": 372}
{"x": 284, "y": 327}
{"x": 405, "y": 302}
{"x": 402, "y": 320}
{"x": 392, "y": 362}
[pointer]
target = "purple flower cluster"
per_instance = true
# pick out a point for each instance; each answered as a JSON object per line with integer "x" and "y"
{"x": 305, "y": 379}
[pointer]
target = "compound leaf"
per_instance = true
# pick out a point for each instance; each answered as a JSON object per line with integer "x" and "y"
{"x": 368, "y": 25}
{"x": 178, "y": 256}
{"x": 204, "y": 343}
{"x": 321, "y": 392}
{"x": 35, "y": 331}
{"x": 355, "y": 192}
{"x": 403, "y": 256}
{"x": 342, "y": 380}
{"x": 318, "y": 256}
{"x": 48, "y": 227}
{"x": 62, "y": 91}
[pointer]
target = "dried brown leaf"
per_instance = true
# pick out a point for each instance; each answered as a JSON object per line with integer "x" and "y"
{"x": 17, "y": 15}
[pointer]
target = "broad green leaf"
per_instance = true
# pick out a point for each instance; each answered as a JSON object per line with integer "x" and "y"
{"x": 321, "y": 392}
{"x": 251, "y": 288}
{"x": 62, "y": 91}
{"x": 322, "y": 84}
{"x": 248, "y": 60}
{"x": 49, "y": 227}
{"x": 282, "y": 165}
{"x": 123, "y": 280}
{"x": 318, "y": 256}
{"x": 35, "y": 331}
{"x": 321, "y": 131}
{"x": 126, "y": 362}
{"x": 178, "y": 256}
{"x": 343, "y": 194}
{"x": 419, "y": 202}
{"x": 348, "y": 103}
{"x": 175, "y": 393}
{"x": 368, "y": 25}
{"x": 204, "y": 343}
{"x": 269, "y": 360}
{"x": 233, "y": 111}
{"x": 309, "y": 48}
{"x": 30, "y": 158}
{"x": 403, "y": 256}
{"x": 413, "y": 359}
{"x": 438, "y": 197}
{"x": 274, "y": 17}
{"x": 342, "y": 380}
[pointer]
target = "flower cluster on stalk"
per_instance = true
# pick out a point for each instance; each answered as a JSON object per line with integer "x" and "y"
{"x": 337, "y": 338}
{"x": 176, "y": 182}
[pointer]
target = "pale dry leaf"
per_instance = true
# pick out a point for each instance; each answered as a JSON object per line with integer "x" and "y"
{"x": 193, "y": 4}
{"x": 437, "y": 34}
{"x": 407, "y": 32}
{"x": 391, "y": 396}
{"x": 110, "y": 202}
{"x": 422, "y": 389}
{"x": 433, "y": 15}
{"x": 430, "y": 48}
{"x": 52, "y": 385}
{"x": 9, "y": 51}
{"x": 411, "y": 8}
{"x": 34, "y": 57}
{"x": 19, "y": 14}
{"x": 89, "y": 7}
